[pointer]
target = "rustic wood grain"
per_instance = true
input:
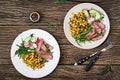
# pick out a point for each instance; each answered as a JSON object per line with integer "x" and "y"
{"x": 63, "y": 72}
{"x": 70, "y": 54}
{"x": 17, "y": 12}
{"x": 59, "y": 34}
{"x": 14, "y": 19}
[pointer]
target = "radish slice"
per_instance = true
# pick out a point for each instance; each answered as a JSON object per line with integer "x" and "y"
{"x": 27, "y": 45}
{"x": 90, "y": 20}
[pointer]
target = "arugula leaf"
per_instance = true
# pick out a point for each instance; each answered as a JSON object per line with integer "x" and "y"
{"x": 31, "y": 35}
{"x": 47, "y": 48}
{"x": 22, "y": 50}
{"x": 81, "y": 37}
{"x": 45, "y": 60}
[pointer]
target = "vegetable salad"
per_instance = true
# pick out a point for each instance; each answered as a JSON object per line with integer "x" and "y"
{"x": 34, "y": 52}
{"x": 87, "y": 25}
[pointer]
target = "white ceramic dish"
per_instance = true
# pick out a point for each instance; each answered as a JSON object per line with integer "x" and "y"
{"x": 48, "y": 68}
{"x": 76, "y": 9}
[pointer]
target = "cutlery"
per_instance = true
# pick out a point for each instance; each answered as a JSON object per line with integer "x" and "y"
{"x": 94, "y": 55}
{"x": 79, "y": 62}
{"x": 88, "y": 67}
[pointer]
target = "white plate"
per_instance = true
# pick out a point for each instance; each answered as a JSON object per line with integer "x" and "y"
{"x": 49, "y": 66}
{"x": 76, "y": 9}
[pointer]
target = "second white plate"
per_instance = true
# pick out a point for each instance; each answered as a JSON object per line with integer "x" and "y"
{"x": 76, "y": 9}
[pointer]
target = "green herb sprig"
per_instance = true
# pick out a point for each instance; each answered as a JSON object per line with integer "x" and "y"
{"x": 49, "y": 25}
{"x": 106, "y": 69}
{"x": 60, "y": 1}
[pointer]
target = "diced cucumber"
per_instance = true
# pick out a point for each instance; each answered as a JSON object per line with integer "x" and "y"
{"x": 96, "y": 14}
{"x": 102, "y": 16}
{"x": 92, "y": 12}
{"x": 86, "y": 13}
{"x": 30, "y": 39}
{"x": 27, "y": 39}
{"x": 31, "y": 50}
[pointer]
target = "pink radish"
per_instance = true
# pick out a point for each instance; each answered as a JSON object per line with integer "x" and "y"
{"x": 27, "y": 45}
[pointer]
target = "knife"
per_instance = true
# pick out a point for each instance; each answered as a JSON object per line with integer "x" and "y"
{"x": 88, "y": 67}
{"x": 80, "y": 61}
{"x": 105, "y": 44}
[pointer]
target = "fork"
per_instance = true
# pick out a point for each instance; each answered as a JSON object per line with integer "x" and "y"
{"x": 88, "y": 67}
{"x": 94, "y": 55}
{"x": 79, "y": 62}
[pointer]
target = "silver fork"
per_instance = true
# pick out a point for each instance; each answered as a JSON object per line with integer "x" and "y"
{"x": 106, "y": 48}
{"x": 110, "y": 45}
{"x": 108, "y": 41}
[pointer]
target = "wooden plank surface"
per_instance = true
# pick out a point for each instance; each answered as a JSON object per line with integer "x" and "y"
{"x": 14, "y": 19}
{"x": 63, "y": 72}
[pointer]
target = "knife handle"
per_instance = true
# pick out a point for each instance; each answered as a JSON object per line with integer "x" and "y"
{"x": 88, "y": 67}
{"x": 85, "y": 58}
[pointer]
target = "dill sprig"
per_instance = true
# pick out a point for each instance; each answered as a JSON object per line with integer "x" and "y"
{"x": 60, "y": 1}
{"x": 106, "y": 69}
{"x": 49, "y": 25}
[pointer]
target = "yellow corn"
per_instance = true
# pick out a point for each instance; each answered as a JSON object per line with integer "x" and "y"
{"x": 75, "y": 21}
{"x": 32, "y": 61}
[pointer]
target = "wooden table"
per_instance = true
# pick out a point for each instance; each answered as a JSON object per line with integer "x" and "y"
{"x": 14, "y": 19}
